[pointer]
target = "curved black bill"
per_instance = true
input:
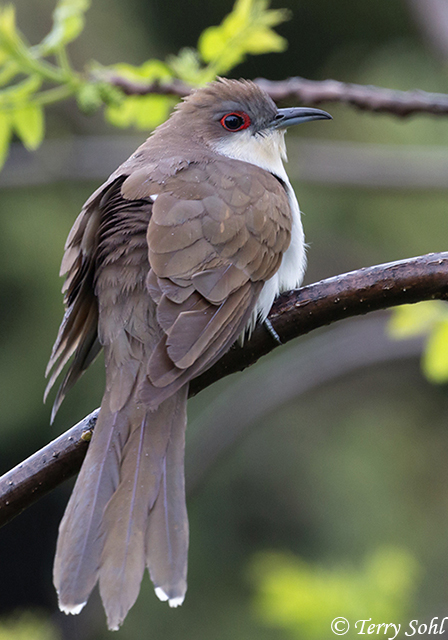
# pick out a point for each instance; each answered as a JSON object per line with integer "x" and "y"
{"x": 297, "y": 115}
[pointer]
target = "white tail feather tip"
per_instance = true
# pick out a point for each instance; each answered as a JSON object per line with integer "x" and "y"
{"x": 176, "y": 602}
{"x": 173, "y": 602}
{"x": 160, "y": 593}
{"x": 72, "y": 609}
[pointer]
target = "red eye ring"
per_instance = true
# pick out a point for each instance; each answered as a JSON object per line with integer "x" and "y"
{"x": 235, "y": 121}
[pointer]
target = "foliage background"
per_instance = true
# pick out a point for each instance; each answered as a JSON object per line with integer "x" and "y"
{"x": 337, "y": 475}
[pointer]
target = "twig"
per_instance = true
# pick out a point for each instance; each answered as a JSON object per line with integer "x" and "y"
{"x": 132, "y": 88}
{"x": 367, "y": 98}
{"x": 303, "y": 91}
{"x": 294, "y": 314}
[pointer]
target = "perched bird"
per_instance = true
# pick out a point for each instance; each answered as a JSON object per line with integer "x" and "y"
{"x": 175, "y": 256}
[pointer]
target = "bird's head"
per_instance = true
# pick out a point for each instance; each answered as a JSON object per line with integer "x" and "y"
{"x": 238, "y": 119}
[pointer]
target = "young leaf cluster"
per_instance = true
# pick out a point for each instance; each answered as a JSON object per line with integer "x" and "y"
{"x": 29, "y": 80}
{"x": 248, "y": 29}
{"x": 33, "y": 77}
{"x": 429, "y": 319}
{"x": 303, "y": 599}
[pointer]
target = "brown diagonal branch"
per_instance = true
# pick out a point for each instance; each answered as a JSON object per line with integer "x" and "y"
{"x": 294, "y": 314}
{"x": 314, "y": 92}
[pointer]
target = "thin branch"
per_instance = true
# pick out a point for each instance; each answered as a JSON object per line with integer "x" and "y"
{"x": 45, "y": 469}
{"x": 133, "y": 88}
{"x": 294, "y": 314}
{"x": 313, "y": 92}
{"x": 367, "y": 98}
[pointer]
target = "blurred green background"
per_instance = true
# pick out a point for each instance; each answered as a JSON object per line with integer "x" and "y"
{"x": 345, "y": 480}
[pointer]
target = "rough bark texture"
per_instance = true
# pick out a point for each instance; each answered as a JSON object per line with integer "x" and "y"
{"x": 313, "y": 92}
{"x": 294, "y": 314}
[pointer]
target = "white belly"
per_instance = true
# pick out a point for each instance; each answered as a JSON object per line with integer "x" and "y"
{"x": 292, "y": 268}
{"x": 268, "y": 152}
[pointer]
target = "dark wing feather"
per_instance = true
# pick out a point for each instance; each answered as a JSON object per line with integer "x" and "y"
{"x": 78, "y": 331}
{"x": 78, "y": 334}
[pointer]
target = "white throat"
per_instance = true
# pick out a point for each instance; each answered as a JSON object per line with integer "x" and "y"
{"x": 268, "y": 152}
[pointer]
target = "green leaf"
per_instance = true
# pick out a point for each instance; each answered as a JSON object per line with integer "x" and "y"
{"x": 412, "y": 320}
{"x": 8, "y": 19}
{"x": 89, "y": 98}
{"x": 187, "y": 66}
{"x": 149, "y": 71}
{"x": 28, "y": 122}
{"x": 68, "y": 22}
{"x": 435, "y": 358}
{"x": 212, "y": 42}
{"x": 143, "y": 112}
{"x": 302, "y": 598}
{"x": 429, "y": 318}
{"x": 8, "y": 22}
{"x": 9, "y": 38}
{"x": 27, "y": 625}
{"x": 110, "y": 95}
{"x": 5, "y": 136}
{"x": 265, "y": 41}
{"x": 246, "y": 30}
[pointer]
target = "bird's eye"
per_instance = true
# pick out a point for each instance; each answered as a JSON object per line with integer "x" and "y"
{"x": 235, "y": 121}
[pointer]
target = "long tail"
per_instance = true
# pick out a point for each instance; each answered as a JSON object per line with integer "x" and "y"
{"x": 127, "y": 510}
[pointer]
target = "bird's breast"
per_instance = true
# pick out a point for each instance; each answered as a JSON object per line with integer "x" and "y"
{"x": 292, "y": 267}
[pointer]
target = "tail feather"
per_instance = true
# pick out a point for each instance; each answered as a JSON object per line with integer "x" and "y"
{"x": 127, "y": 510}
{"x": 126, "y": 516}
{"x": 167, "y": 531}
{"x": 79, "y": 546}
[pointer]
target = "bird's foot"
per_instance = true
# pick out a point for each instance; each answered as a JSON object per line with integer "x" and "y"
{"x": 268, "y": 324}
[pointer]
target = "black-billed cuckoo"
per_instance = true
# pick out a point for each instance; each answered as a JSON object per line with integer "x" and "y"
{"x": 179, "y": 253}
